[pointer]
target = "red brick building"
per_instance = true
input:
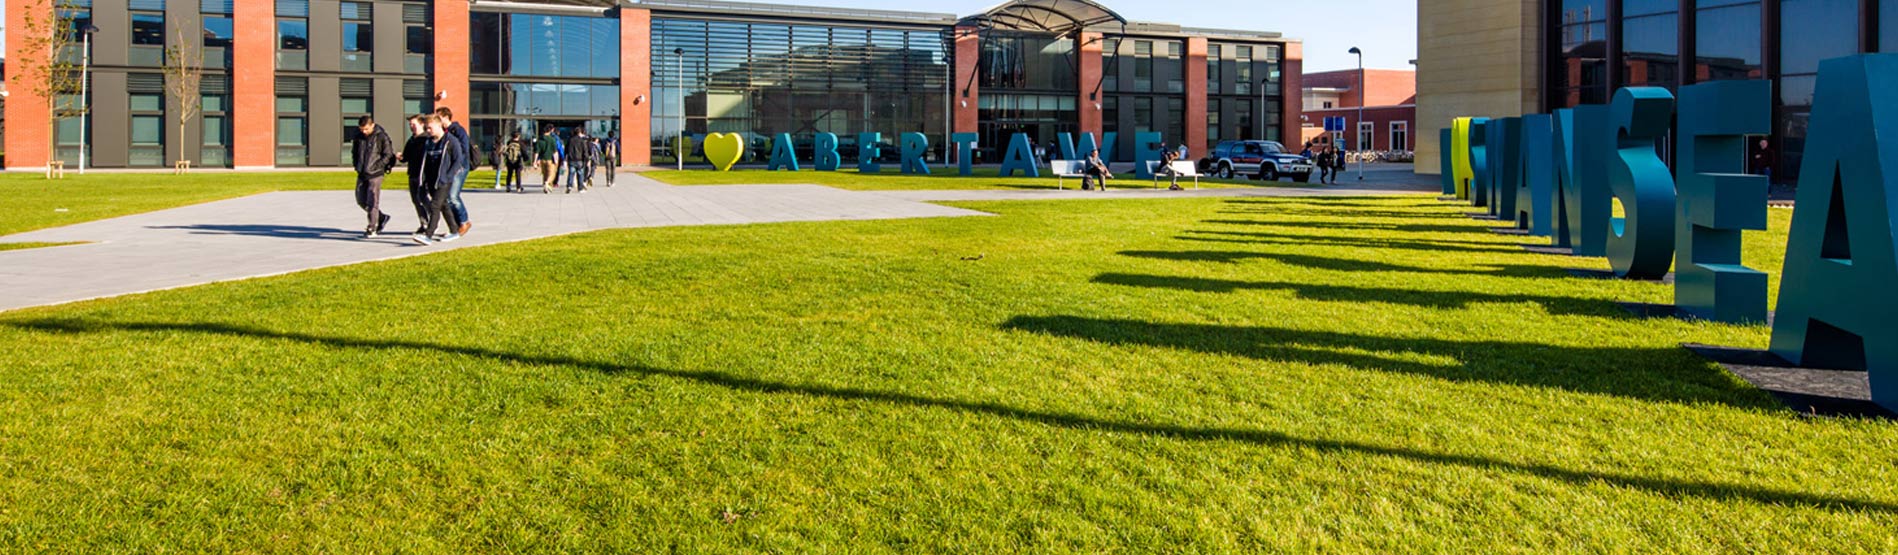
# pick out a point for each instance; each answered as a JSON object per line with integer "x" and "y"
{"x": 1389, "y": 98}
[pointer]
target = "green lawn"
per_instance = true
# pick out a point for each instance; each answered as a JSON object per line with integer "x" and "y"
{"x": 940, "y": 178}
{"x": 1191, "y": 375}
{"x": 33, "y": 202}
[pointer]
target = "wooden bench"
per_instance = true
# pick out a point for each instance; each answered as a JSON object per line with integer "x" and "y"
{"x": 1064, "y": 169}
{"x": 1185, "y": 168}
{"x": 56, "y": 169}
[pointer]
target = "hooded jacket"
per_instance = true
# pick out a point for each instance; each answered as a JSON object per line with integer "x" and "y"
{"x": 374, "y": 153}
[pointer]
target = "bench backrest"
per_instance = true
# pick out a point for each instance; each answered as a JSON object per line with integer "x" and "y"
{"x": 1066, "y": 167}
{"x": 1186, "y": 168}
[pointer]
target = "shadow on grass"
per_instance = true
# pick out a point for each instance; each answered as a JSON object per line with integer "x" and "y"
{"x": 1351, "y": 264}
{"x": 1569, "y": 306}
{"x": 1245, "y": 341}
{"x": 1407, "y": 228}
{"x": 1341, "y": 213}
{"x": 1433, "y": 245}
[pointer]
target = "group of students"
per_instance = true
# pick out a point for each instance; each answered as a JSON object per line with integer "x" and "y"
{"x": 1328, "y": 158}
{"x": 555, "y": 158}
{"x": 438, "y": 161}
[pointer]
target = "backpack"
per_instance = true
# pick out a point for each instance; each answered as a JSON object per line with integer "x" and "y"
{"x": 511, "y": 153}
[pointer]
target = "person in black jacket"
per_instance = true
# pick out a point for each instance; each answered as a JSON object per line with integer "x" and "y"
{"x": 374, "y": 156}
{"x": 442, "y": 163}
{"x": 411, "y": 154}
{"x": 460, "y": 135}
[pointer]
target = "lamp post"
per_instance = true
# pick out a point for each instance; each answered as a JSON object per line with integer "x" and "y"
{"x": 1258, "y": 119}
{"x": 1361, "y": 99}
{"x": 85, "y": 69}
{"x": 678, "y": 143}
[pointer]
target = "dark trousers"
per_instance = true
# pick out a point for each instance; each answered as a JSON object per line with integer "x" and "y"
{"x": 439, "y": 207}
{"x": 1324, "y": 174}
{"x": 513, "y": 181}
{"x": 418, "y": 195}
{"x": 369, "y": 197}
{"x": 610, "y": 165}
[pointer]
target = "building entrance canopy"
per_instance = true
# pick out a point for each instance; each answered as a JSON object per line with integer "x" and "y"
{"x": 1056, "y": 17}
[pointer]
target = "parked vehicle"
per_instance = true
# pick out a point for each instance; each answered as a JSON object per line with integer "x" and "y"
{"x": 1265, "y": 160}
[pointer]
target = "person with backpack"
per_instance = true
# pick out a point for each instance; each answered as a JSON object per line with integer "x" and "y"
{"x": 512, "y": 157}
{"x": 609, "y": 153}
{"x": 374, "y": 156}
{"x": 546, "y": 158}
{"x": 580, "y": 155}
{"x": 442, "y": 163}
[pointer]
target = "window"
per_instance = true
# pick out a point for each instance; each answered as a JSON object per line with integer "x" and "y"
{"x": 359, "y": 37}
{"x": 1327, "y": 105}
{"x": 293, "y": 34}
{"x": 534, "y": 45}
{"x": 1110, "y": 64}
{"x": 1143, "y": 66}
{"x": 1242, "y": 111}
{"x": 1212, "y": 68}
{"x": 1366, "y": 139}
{"x": 1242, "y": 77}
{"x": 1212, "y": 120}
{"x": 148, "y": 29}
{"x": 292, "y": 133}
{"x": 1582, "y": 77}
{"x": 352, "y": 108}
{"x": 147, "y": 105}
{"x": 1809, "y": 31}
{"x": 1650, "y": 47}
{"x": 216, "y": 123}
{"x": 1143, "y": 114}
{"x": 1176, "y": 70}
{"x": 418, "y": 41}
{"x": 1400, "y": 135}
{"x": 217, "y": 32}
{"x": 148, "y": 33}
{"x": 1176, "y": 120}
{"x": 1727, "y": 40}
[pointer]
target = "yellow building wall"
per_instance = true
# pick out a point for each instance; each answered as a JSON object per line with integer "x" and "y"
{"x": 1474, "y": 58}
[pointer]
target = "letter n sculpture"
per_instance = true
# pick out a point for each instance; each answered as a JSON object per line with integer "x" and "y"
{"x": 1838, "y": 306}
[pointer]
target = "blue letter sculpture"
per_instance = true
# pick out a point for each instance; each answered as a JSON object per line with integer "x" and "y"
{"x": 1535, "y": 193}
{"x": 1582, "y": 141}
{"x": 1479, "y": 163}
{"x": 1505, "y": 166}
{"x": 826, "y": 152}
{"x": 914, "y": 145}
{"x": 1642, "y": 244}
{"x": 783, "y": 154}
{"x": 867, "y": 152}
{"x": 1020, "y": 157}
{"x": 965, "y": 152}
{"x": 1446, "y": 161}
{"x": 1147, "y": 146}
{"x": 1837, "y": 308}
{"x": 1066, "y": 145}
{"x": 1717, "y": 200}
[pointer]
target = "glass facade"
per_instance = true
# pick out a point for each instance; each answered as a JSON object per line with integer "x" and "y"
{"x": 760, "y": 79}
{"x": 530, "y": 71}
{"x": 1028, "y": 85}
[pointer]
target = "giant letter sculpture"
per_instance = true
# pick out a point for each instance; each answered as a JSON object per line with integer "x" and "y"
{"x": 783, "y": 154}
{"x": 868, "y": 151}
{"x": 1479, "y": 162}
{"x": 914, "y": 146}
{"x": 1582, "y": 140}
{"x": 1717, "y": 199}
{"x": 1505, "y": 166}
{"x": 965, "y": 152}
{"x": 825, "y": 150}
{"x": 1147, "y": 145}
{"x": 1446, "y": 161}
{"x": 1020, "y": 157}
{"x": 1538, "y": 171}
{"x": 1836, "y": 305}
{"x": 1642, "y": 244}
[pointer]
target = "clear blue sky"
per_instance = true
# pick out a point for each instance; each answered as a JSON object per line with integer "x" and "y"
{"x": 1385, "y": 29}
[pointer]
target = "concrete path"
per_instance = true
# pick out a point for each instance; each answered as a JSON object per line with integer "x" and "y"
{"x": 277, "y": 233}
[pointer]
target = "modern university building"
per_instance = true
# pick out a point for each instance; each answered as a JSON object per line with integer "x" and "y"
{"x": 285, "y": 80}
{"x": 1490, "y": 58}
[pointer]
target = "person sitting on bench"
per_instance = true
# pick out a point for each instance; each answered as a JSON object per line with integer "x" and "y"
{"x": 1096, "y": 170}
{"x": 1166, "y": 168}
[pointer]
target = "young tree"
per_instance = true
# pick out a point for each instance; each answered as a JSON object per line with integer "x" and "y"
{"x": 184, "y": 71}
{"x": 48, "y": 64}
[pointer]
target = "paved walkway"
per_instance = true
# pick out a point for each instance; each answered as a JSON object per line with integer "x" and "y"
{"x": 277, "y": 233}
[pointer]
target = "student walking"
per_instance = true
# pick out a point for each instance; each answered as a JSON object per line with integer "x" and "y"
{"x": 1337, "y": 158}
{"x": 512, "y": 156}
{"x": 580, "y": 154}
{"x": 441, "y": 161}
{"x": 1325, "y": 154}
{"x": 609, "y": 154}
{"x": 466, "y": 159}
{"x": 412, "y": 154}
{"x": 374, "y": 157}
{"x": 546, "y": 159}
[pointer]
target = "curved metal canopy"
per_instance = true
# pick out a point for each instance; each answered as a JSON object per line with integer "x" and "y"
{"x": 1058, "y": 17}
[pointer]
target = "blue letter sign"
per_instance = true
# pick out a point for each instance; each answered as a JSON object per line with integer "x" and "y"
{"x": 1837, "y": 307}
{"x": 1446, "y": 162}
{"x": 965, "y": 152}
{"x": 867, "y": 152}
{"x": 914, "y": 145}
{"x": 783, "y": 156}
{"x": 1717, "y": 199}
{"x": 1474, "y": 191}
{"x": 1505, "y": 166}
{"x": 1642, "y": 245}
{"x": 1147, "y": 145}
{"x": 1020, "y": 157}
{"x": 1534, "y": 191}
{"x": 1582, "y": 144}
{"x": 826, "y": 152}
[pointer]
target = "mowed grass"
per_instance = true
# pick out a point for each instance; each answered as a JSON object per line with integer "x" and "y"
{"x": 30, "y": 201}
{"x": 1192, "y": 375}
{"x": 939, "y": 178}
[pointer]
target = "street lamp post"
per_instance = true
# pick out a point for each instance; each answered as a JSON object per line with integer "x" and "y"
{"x": 85, "y": 69}
{"x": 1361, "y": 98}
{"x": 678, "y": 143}
{"x": 1258, "y": 118}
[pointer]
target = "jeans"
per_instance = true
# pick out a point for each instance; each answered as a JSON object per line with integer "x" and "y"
{"x": 369, "y": 197}
{"x": 577, "y": 174}
{"x": 454, "y": 196}
{"x": 439, "y": 208}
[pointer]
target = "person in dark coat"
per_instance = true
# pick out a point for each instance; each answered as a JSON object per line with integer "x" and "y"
{"x": 412, "y": 155}
{"x": 441, "y": 162}
{"x": 460, "y": 134}
{"x": 374, "y": 157}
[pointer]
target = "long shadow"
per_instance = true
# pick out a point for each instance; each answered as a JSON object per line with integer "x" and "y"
{"x": 1406, "y": 228}
{"x": 265, "y": 230}
{"x": 1340, "y": 213}
{"x": 1053, "y": 326}
{"x": 1432, "y": 245}
{"x": 1448, "y": 300}
{"x": 1351, "y": 264}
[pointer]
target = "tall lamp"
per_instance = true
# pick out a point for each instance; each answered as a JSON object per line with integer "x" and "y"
{"x": 85, "y": 69}
{"x": 678, "y": 144}
{"x": 1361, "y": 99}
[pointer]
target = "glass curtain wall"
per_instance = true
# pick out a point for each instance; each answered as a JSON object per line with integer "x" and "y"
{"x": 1727, "y": 40}
{"x": 1650, "y": 45}
{"x": 1809, "y": 31}
{"x": 1028, "y": 85}
{"x": 1582, "y": 74}
{"x": 761, "y": 79}
{"x": 1244, "y": 70}
{"x": 530, "y": 71}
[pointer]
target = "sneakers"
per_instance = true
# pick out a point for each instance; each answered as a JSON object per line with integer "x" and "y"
{"x": 450, "y": 237}
{"x": 421, "y": 239}
{"x": 464, "y": 228}
{"x": 371, "y": 234}
{"x": 382, "y": 224}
